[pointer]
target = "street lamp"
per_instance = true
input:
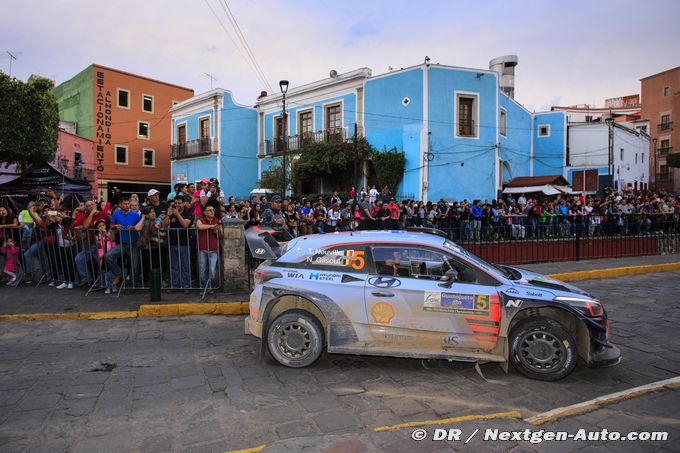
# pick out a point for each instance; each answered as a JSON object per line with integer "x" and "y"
{"x": 654, "y": 140}
{"x": 610, "y": 153}
{"x": 283, "y": 85}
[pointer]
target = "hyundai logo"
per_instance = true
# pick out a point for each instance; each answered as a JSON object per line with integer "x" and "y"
{"x": 384, "y": 282}
{"x": 259, "y": 251}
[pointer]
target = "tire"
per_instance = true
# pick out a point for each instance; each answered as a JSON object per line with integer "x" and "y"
{"x": 541, "y": 348}
{"x": 295, "y": 339}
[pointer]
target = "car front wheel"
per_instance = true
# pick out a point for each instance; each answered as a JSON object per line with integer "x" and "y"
{"x": 541, "y": 348}
{"x": 295, "y": 339}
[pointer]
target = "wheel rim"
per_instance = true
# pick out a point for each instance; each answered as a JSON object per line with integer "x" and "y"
{"x": 294, "y": 340}
{"x": 542, "y": 351}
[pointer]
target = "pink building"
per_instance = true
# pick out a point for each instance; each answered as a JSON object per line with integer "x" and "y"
{"x": 74, "y": 158}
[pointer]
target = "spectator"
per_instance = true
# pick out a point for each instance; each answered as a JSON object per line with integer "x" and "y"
{"x": 385, "y": 194}
{"x": 273, "y": 216}
{"x": 335, "y": 199}
{"x": 8, "y": 225}
{"x": 11, "y": 252}
{"x": 307, "y": 214}
{"x": 66, "y": 251}
{"x": 209, "y": 234}
{"x": 178, "y": 219}
{"x": 476, "y": 219}
{"x": 153, "y": 200}
{"x": 84, "y": 220}
{"x": 332, "y": 218}
{"x": 373, "y": 194}
{"x": 124, "y": 221}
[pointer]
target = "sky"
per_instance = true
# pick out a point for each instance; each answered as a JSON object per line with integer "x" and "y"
{"x": 570, "y": 52}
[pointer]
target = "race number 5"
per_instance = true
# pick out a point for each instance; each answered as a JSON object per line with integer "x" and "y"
{"x": 358, "y": 260}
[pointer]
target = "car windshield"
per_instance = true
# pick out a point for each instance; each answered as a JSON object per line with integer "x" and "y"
{"x": 476, "y": 260}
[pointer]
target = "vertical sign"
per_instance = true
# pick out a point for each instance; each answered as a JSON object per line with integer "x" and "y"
{"x": 103, "y": 113}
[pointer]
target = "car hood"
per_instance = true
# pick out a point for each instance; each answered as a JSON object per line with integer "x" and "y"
{"x": 533, "y": 279}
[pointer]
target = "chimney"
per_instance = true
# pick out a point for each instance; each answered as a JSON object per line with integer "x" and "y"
{"x": 505, "y": 68}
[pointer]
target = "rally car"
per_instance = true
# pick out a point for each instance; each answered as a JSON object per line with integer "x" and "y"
{"x": 419, "y": 295}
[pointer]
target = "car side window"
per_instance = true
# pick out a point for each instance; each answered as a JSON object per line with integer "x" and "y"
{"x": 414, "y": 262}
{"x": 467, "y": 273}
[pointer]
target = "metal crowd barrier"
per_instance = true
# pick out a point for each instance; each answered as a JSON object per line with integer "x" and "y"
{"x": 120, "y": 260}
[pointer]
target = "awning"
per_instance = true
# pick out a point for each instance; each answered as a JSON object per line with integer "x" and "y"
{"x": 547, "y": 189}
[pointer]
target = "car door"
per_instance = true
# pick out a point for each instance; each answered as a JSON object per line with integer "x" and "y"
{"x": 408, "y": 305}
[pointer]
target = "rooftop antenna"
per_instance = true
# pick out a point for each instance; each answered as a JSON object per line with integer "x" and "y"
{"x": 211, "y": 77}
{"x": 13, "y": 55}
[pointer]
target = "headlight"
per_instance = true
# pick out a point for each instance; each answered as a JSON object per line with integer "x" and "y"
{"x": 588, "y": 307}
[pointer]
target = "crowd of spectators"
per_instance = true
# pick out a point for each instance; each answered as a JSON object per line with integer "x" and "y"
{"x": 114, "y": 244}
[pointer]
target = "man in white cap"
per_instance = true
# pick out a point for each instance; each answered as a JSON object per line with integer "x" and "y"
{"x": 153, "y": 200}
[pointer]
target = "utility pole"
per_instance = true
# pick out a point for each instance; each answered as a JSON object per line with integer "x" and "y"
{"x": 356, "y": 161}
{"x": 610, "y": 153}
{"x": 12, "y": 56}
{"x": 283, "y": 85}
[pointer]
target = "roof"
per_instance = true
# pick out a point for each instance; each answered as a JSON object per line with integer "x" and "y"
{"x": 660, "y": 73}
{"x": 95, "y": 65}
{"x": 329, "y": 239}
{"x": 522, "y": 181}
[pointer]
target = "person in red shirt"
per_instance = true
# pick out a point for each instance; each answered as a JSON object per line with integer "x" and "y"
{"x": 209, "y": 234}
{"x": 393, "y": 209}
{"x": 85, "y": 221}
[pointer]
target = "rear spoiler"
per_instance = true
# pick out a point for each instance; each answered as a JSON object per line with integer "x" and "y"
{"x": 427, "y": 230}
{"x": 266, "y": 243}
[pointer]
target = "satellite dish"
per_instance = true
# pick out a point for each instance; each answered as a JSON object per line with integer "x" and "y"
{"x": 333, "y": 73}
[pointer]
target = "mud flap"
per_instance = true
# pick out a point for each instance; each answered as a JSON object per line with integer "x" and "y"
{"x": 490, "y": 381}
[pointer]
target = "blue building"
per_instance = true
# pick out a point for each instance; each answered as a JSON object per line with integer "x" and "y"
{"x": 461, "y": 130}
{"x": 214, "y": 137}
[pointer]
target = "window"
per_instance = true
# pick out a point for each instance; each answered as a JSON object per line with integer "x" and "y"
{"x": 121, "y": 154}
{"x": 503, "y": 122}
{"x": 147, "y": 103}
{"x": 143, "y": 129}
{"x": 636, "y": 157}
{"x": 204, "y": 127}
{"x": 77, "y": 159}
{"x": 663, "y": 168}
{"x": 278, "y": 131}
{"x": 666, "y": 91}
{"x": 333, "y": 119}
{"x": 643, "y": 129}
{"x": 181, "y": 134}
{"x": 589, "y": 118}
{"x": 642, "y": 158}
{"x": 665, "y": 122}
{"x": 544, "y": 130}
{"x": 123, "y": 98}
{"x": 149, "y": 158}
{"x": 622, "y": 154}
{"x": 306, "y": 126}
{"x": 466, "y": 114}
{"x": 665, "y": 146}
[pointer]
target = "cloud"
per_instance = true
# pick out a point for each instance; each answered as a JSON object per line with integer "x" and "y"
{"x": 577, "y": 52}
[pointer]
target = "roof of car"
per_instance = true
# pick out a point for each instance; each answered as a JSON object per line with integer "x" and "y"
{"x": 356, "y": 237}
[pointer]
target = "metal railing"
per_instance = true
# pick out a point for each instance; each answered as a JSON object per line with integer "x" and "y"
{"x": 667, "y": 176}
{"x": 300, "y": 141}
{"x": 193, "y": 148}
{"x": 114, "y": 261}
{"x": 667, "y": 126}
{"x": 665, "y": 150}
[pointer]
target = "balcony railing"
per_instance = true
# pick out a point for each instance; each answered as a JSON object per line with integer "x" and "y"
{"x": 665, "y": 126}
{"x": 668, "y": 176}
{"x": 300, "y": 141}
{"x": 665, "y": 151}
{"x": 193, "y": 148}
{"x": 78, "y": 172}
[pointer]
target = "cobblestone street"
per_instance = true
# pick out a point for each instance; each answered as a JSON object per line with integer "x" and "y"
{"x": 196, "y": 384}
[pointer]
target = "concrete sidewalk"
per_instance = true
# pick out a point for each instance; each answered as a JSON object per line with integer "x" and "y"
{"x": 27, "y": 300}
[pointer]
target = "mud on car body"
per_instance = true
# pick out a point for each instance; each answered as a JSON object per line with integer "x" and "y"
{"x": 419, "y": 295}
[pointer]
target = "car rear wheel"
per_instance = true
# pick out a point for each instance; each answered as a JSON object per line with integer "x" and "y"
{"x": 295, "y": 339}
{"x": 541, "y": 348}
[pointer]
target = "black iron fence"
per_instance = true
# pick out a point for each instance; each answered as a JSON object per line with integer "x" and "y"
{"x": 193, "y": 148}
{"x": 114, "y": 260}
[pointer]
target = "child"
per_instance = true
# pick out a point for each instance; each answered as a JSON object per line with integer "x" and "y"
{"x": 12, "y": 252}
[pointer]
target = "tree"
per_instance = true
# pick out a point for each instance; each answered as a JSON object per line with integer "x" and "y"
{"x": 273, "y": 178}
{"x": 29, "y": 121}
{"x": 389, "y": 167}
{"x": 673, "y": 160}
{"x": 333, "y": 159}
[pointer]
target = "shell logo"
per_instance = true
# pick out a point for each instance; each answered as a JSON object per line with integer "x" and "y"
{"x": 382, "y": 313}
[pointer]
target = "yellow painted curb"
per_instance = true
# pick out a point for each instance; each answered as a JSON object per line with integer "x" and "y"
{"x": 221, "y": 308}
{"x": 597, "y": 403}
{"x": 446, "y": 421}
{"x": 615, "y": 272}
{"x": 248, "y": 450}
{"x": 62, "y": 316}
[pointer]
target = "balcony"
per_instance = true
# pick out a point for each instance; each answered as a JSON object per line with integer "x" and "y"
{"x": 76, "y": 171}
{"x": 299, "y": 142}
{"x": 193, "y": 148}
{"x": 664, "y": 127}
{"x": 664, "y": 151}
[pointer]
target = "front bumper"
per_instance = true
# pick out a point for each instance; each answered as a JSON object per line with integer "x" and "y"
{"x": 252, "y": 327}
{"x": 604, "y": 357}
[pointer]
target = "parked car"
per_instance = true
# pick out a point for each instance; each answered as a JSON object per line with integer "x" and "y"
{"x": 419, "y": 295}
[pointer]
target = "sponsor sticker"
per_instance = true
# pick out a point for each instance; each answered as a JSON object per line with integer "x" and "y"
{"x": 324, "y": 276}
{"x": 514, "y": 303}
{"x": 382, "y": 313}
{"x": 450, "y": 341}
{"x": 455, "y": 302}
{"x": 384, "y": 282}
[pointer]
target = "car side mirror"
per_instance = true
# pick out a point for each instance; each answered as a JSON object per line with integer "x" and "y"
{"x": 448, "y": 278}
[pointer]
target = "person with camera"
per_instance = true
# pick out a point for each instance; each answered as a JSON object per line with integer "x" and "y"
{"x": 179, "y": 219}
{"x": 209, "y": 234}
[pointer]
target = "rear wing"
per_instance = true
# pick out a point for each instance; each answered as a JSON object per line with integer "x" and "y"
{"x": 267, "y": 243}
